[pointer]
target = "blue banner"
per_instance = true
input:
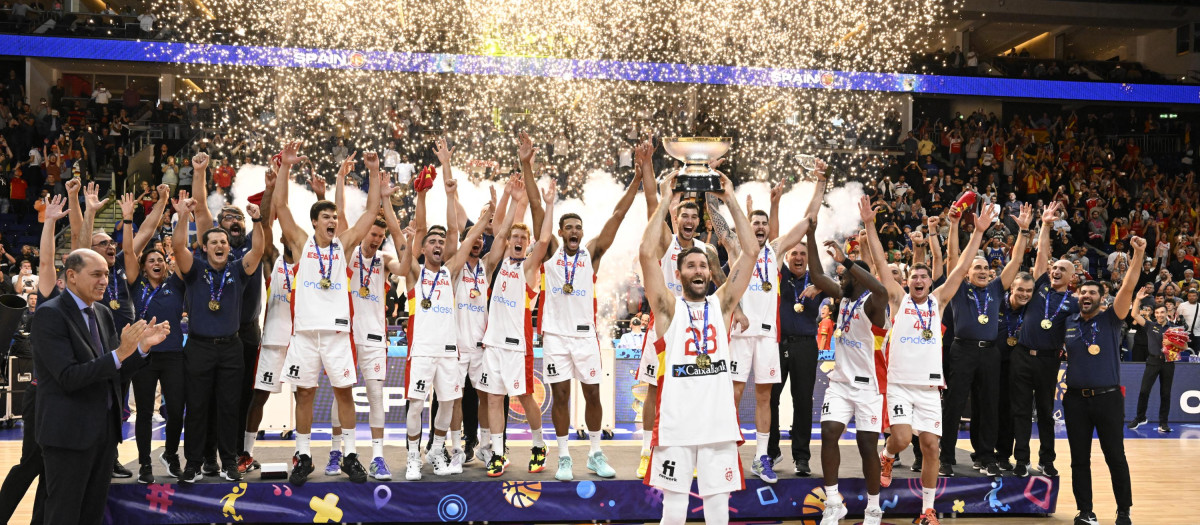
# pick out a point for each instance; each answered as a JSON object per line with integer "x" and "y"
{"x": 173, "y": 52}
{"x": 1185, "y": 392}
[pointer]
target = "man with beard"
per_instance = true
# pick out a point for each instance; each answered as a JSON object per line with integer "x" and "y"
{"x": 914, "y": 357}
{"x": 1157, "y": 367}
{"x": 1012, "y": 315}
{"x": 973, "y": 356}
{"x": 1093, "y": 402}
{"x": 567, "y": 319}
{"x": 212, "y": 354}
{"x": 697, "y": 428}
{"x": 231, "y": 219}
{"x": 1035, "y": 359}
{"x": 321, "y": 307}
{"x": 432, "y": 335}
{"x": 116, "y": 295}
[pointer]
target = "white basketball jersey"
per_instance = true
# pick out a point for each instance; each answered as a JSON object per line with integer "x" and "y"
{"x": 695, "y": 405}
{"x": 277, "y": 319}
{"x": 314, "y": 307}
{"x": 370, "y": 323}
{"x": 912, "y": 359}
{"x": 431, "y": 330}
{"x": 471, "y": 314}
{"x": 858, "y": 361}
{"x": 669, "y": 265}
{"x": 509, "y": 321}
{"x": 761, "y": 306}
{"x": 572, "y": 314}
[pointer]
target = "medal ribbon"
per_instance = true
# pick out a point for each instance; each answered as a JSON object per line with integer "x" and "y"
{"x": 763, "y": 276}
{"x": 1014, "y": 328}
{"x": 795, "y": 290}
{"x": 112, "y": 284}
{"x": 147, "y": 290}
{"x": 287, "y": 278}
{"x": 1046, "y": 306}
{"x": 1094, "y": 328}
{"x": 569, "y": 277}
{"x": 216, "y": 295}
{"x": 921, "y": 318}
{"x": 326, "y": 270}
{"x": 364, "y": 280}
{"x": 700, "y": 336}
{"x": 987, "y": 300}
{"x": 421, "y": 284}
{"x": 849, "y": 315}
{"x": 478, "y": 272}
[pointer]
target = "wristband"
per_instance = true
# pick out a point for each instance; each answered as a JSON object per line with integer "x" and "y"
{"x": 258, "y": 220}
{"x": 127, "y": 221}
{"x": 1024, "y": 232}
{"x": 847, "y": 263}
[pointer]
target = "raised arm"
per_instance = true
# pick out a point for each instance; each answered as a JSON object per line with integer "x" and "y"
{"x": 53, "y": 212}
{"x": 473, "y": 234}
{"x": 258, "y": 241}
{"x": 952, "y": 248}
{"x": 76, "y": 216}
{"x": 721, "y": 229}
{"x": 877, "y": 303}
{"x": 92, "y": 204}
{"x": 894, "y": 290}
{"x": 645, "y": 151}
{"x": 1120, "y": 305}
{"x": 954, "y": 280}
{"x": 150, "y": 224}
{"x": 293, "y": 235}
{"x": 516, "y": 190}
{"x": 935, "y": 251}
{"x": 773, "y": 216}
{"x": 1138, "y": 319}
{"x": 1041, "y": 258}
{"x": 526, "y": 152}
{"x": 1018, "y": 251}
{"x": 661, "y": 300}
{"x": 740, "y": 270}
{"x": 204, "y": 219}
{"x": 270, "y": 253}
{"x": 132, "y": 267}
{"x": 816, "y": 271}
{"x": 339, "y": 192}
{"x": 542, "y": 247}
{"x": 351, "y": 237}
{"x": 451, "y": 248}
{"x": 600, "y": 244}
{"x": 183, "y": 256}
{"x": 403, "y": 263}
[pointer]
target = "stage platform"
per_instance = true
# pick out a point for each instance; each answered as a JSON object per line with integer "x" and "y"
{"x": 519, "y": 496}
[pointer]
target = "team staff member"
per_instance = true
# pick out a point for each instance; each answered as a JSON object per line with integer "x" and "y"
{"x": 1157, "y": 367}
{"x": 212, "y": 355}
{"x": 157, "y": 294}
{"x": 973, "y": 357}
{"x": 79, "y": 388}
{"x": 1035, "y": 359}
{"x": 798, "y": 350}
{"x": 1093, "y": 401}
{"x": 1012, "y": 314}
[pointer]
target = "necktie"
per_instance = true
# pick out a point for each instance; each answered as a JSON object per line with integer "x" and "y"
{"x": 97, "y": 343}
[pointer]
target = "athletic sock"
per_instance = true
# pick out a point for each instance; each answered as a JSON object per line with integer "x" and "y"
{"x": 377, "y": 448}
{"x": 414, "y": 444}
{"x": 485, "y": 436}
{"x": 646, "y": 436}
{"x": 303, "y": 442}
{"x": 888, "y": 454}
{"x": 348, "y": 439}
{"x": 760, "y": 444}
{"x": 563, "y": 446}
{"x": 498, "y": 444}
{"x": 831, "y": 491}
{"x": 439, "y": 442}
{"x": 927, "y": 498}
{"x": 537, "y": 437}
{"x": 594, "y": 441}
{"x": 456, "y": 439}
{"x": 873, "y": 501}
{"x": 337, "y": 442}
{"x": 249, "y": 439}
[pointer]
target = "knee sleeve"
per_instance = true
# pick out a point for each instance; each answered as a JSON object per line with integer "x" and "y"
{"x": 716, "y": 509}
{"x": 675, "y": 507}
{"x": 413, "y": 424}
{"x": 334, "y": 420}
{"x": 444, "y": 416}
{"x": 375, "y": 402}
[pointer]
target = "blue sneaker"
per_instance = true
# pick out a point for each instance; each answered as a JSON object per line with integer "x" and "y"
{"x": 564, "y": 469}
{"x": 379, "y": 470}
{"x": 598, "y": 463}
{"x": 335, "y": 463}
{"x": 763, "y": 468}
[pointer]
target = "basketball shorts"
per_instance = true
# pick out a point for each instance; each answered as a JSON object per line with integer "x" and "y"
{"x": 758, "y": 355}
{"x": 916, "y": 405}
{"x": 648, "y": 366}
{"x": 718, "y": 468}
{"x": 843, "y": 402}
{"x": 372, "y": 362}
{"x": 270, "y": 366}
{"x": 312, "y": 351}
{"x": 470, "y": 363}
{"x": 565, "y": 358}
{"x": 506, "y": 372}
{"x": 425, "y": 374}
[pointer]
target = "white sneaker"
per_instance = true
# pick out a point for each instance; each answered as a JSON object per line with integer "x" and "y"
{"x": 835, "y": 510}
{"x": 412, "y": 471}
{"x": 457, "y": 457}
{"x": 437, "y": 458}
{"x": 873, "y": 516}
{"x": 484, "y": 453}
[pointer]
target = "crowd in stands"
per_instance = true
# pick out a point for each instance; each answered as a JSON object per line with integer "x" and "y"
{"x": 1021, "y": 64}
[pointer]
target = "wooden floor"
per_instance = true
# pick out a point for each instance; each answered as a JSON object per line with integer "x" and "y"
{"x": 1160, "y": 469}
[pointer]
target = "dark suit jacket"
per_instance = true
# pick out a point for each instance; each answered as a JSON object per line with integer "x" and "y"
{"x": 75, "y": 380}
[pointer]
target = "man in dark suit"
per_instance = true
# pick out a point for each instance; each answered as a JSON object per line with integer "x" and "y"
{"x": 79, "y": 386}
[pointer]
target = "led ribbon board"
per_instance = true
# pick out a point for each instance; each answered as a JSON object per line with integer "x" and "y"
{"x": 172, "y": 52}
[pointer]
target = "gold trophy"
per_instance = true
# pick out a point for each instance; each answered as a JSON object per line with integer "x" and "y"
{"x": 697, "y": 153}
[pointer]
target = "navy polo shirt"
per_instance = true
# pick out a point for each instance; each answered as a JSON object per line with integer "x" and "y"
{"x": 969, "y": 302}
{"x": 1046, "y": 299}
{"x": 1154, "y": 336}
{"x": 1008, "y": 324}
{"x": 202, "y": 284}
{"x": 163, "y": 304}
{"x": 252, "y": 299}
{"x": 118, "y": 288}
{"x": 1085, "y": 370}
{"x": 792, "y": 323}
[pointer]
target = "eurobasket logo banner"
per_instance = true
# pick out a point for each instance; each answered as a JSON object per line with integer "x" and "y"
{"x": 172, "y": 52}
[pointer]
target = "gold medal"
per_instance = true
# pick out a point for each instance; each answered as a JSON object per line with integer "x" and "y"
{"x": 766, "y": 286}
{"x": 1094, "y": 349}
{"x": 474, "y": 293}
{"x": 426, "y": 304}
{"x": 798, "y": 307}
{"x": 837, "y": 333}
{"x": 1046, "y": 324}
{"x": 568, "y": 289}
{"x": 325, "y": 283}
{"x": 214, "y": 305}
{"x": 364, "y": 291}
{"x": 983, "y": 318}
{"x": 703, "y": 361}
{"x": 927, "y": 334}
{"x": 1012, "y": 341}
{"x": 114, "y": 304}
